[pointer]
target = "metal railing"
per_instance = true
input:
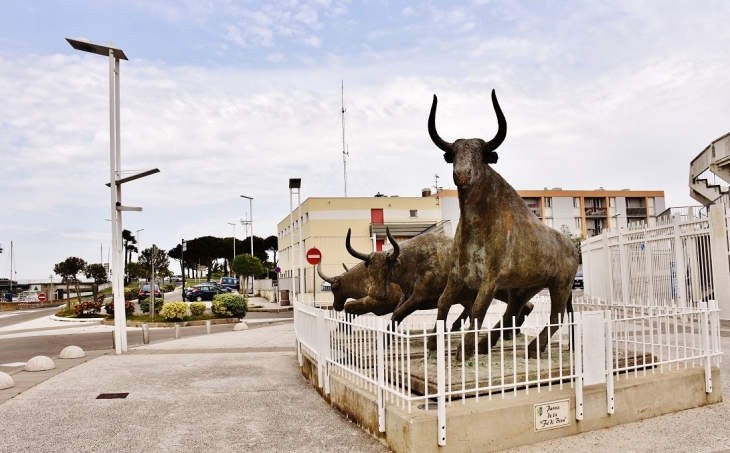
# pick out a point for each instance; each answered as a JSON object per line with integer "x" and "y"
{"x": 413, "y": 363}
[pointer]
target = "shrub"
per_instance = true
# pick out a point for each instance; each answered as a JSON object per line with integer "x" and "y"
{"x": 168, "y": 288}
{"x": 87, "y": 308}
{"x": 175, "y": 310}
{"x": 130, "y": 294}
{"x": 144, "y": 305}
{"x": 128, "y": 308}
{"x": 197, "y": 308}
{"x": 219, "y": 309}
{"x": 235, "y": 304}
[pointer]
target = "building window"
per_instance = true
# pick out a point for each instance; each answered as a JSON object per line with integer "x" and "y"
{"x": 612, "y": 202}
{"x": 548, "y": 202}
{"x": 578, "y": 223}
{"x": 414, "y": 213}
{"x": 306, "y": 217}
{"x": 576, "y": 202}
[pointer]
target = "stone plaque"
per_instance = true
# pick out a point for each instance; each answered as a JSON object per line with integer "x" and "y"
{"x": 554, "y": 414}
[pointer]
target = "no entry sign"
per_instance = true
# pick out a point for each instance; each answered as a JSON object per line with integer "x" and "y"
{"x": 41, "y": 297}
{"x": 314, "y": 256}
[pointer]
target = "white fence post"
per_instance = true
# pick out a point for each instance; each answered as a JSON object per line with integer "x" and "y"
{"x": 624, "y": 268}
{"x": 649, "y": 268}
{"x": 440, "y": 381}
{"x": 322, "y": 334}
{"x": 577, "y": 318}
{"x": 720, "y": 265}
{"x": 609, "y": 267}
{"x": 380, "y": 357}
{"x": 680, "y": 269}
{"x": 610, "y": 402}
{"x": 706, "y": 346}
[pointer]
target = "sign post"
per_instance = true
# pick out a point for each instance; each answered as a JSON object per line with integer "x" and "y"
{"x": 41, "y": 297}
{"x": 313, "y": 258}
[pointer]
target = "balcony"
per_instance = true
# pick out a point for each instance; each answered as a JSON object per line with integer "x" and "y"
{"x": 536, "y": 211}
{"x": 400, "y": 229}
{"x": 635, "y": 212}
{"x": 596, "y": 212}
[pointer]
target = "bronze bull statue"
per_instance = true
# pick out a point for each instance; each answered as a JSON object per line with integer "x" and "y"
{"x": 499, "y": 243}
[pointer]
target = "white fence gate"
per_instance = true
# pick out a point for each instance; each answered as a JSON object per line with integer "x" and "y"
{"x": 683, "y": 261}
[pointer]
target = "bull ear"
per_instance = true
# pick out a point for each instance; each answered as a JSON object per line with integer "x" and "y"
{"x": 489, "y": 157}
{"x": 449, "y": 157}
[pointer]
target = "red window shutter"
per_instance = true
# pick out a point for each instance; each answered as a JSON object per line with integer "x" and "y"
{"x": 376, "y": 216}
{"x": 379, "y": 244}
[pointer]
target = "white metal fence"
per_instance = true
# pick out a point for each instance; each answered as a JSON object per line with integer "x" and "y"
{"x": 681, "y": 261}
{"x": 614, "y": 342}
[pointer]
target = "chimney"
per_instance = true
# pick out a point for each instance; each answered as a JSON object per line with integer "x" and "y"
{"x": 426, "y": 192}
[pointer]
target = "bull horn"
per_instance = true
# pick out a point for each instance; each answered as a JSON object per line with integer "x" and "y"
{"x": 438, "y": 141}
{"x": 346, "y": 269}
{"x": 329, "y": 280}
{"x": 501, "y": 131}
{"x": 392, "y": 256}
{"x": 352, "y": 251}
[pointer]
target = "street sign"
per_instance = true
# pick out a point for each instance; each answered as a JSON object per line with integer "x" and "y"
{"x": 41, "y": 297}
{"x": 277, "y": 269}
{"x": 313, "y": 256}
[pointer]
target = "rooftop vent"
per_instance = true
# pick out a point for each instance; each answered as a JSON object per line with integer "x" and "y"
{"x": 426, "y": 192}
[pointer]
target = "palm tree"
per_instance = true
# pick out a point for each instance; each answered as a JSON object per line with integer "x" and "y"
{"x": 128, "y": 241}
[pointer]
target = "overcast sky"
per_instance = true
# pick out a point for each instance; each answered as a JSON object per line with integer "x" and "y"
{"x": 236, "y": 97}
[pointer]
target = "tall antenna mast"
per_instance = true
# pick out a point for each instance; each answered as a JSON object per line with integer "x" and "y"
{"x": 344, "y": 148}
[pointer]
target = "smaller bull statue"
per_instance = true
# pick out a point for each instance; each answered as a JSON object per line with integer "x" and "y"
{"x": 420, "y": 268}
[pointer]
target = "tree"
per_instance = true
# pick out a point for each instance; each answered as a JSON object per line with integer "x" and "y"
{"x": 98, "y": 274}
{"x": 247, "y": 266}
{"x": 159, "y": 259}
{"x": 135, "y": 271}
{"x": 575, "y": 239}
{"x": 128, "y": 241}
{"x": 68, "y": 269}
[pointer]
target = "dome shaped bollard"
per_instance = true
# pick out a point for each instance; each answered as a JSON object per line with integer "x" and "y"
{"x": 72, "y": 352}
{"x": 40, "y": 363}
{"x": 6, "y": 381}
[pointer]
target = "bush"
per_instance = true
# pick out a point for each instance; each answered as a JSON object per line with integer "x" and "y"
{"x": 87, "y": 308}
{"x": 168, "y": 288}
{"x": 234, "y": 304}
{"x": 219, "y": 309}
{"x": 197, "y": 308}
{"x": 144, "y": 305}
{"x": 128, "y": 308}
{"x": 175, "y": 310}
{"x": 130, "y": 294}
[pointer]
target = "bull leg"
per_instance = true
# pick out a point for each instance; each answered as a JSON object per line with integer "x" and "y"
{"x": 461, "y": 320}
{"x": 478, "y": 312}
{"x": 447, "y": 299}
{"x": 559, "y": 296}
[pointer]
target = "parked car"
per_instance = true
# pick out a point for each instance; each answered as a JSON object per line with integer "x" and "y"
{"x": 229, "y": 282}
{"x": 144, "y": 292}
{"x": 578, "y": 280}
{"x": 203, "y": 291}
{"x": 221, "y": 288}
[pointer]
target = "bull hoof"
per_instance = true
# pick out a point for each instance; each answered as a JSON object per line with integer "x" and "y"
{"x": 467, "y": 354}
{"x": 506, "y": 335}
{"x": 431, "y": 345}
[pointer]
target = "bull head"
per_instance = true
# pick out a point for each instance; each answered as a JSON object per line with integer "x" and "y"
{"x": 335, "y": 285}
{"x": 474, "y": 146}
{"x": 380, "y": 267}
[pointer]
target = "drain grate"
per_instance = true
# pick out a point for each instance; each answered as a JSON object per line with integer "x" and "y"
{"x": 111, "y": 396}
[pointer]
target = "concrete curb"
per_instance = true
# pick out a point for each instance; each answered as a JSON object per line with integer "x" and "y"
{"x": 108, "y": 322}
{"x": 81, "y": 320}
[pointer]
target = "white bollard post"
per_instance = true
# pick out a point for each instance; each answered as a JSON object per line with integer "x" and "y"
{"x": 441, "y": 382}
{"x": 145, "y": 333}
{"x": 207, "y": 327}
{"x": 177, "y": 331}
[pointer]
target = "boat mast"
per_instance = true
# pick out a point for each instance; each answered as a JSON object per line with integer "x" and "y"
{"x": 344, "y": 148}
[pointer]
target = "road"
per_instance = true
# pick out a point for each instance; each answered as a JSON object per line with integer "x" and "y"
{"x": 20, "y": 345}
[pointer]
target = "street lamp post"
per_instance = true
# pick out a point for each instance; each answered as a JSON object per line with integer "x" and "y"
{"x": 139, "y": 243}
{"x": 115, "y": 183}
{"x": 234, "y": 244}
{"x": 250, "y": 209}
